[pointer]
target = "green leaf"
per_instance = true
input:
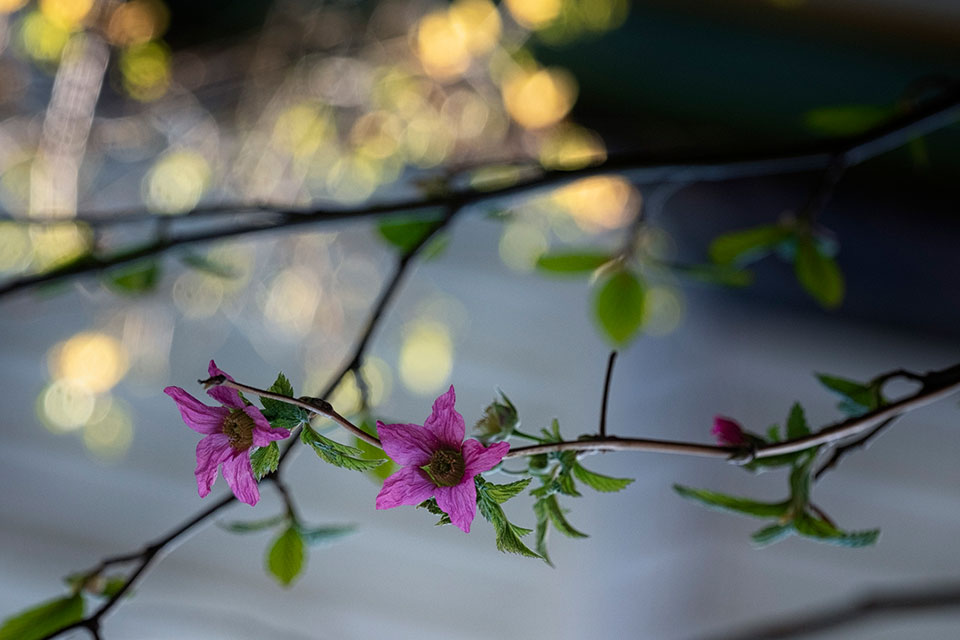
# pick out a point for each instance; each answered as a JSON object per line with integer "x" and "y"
{"x": 134, "y": 279}
{"x": 253, "y": 526}
{"x": 618, "y": 306}
{"x": 283, "y": 415}
{"x": 498, "y": 422}
{"x": 264, "y": 460}
{"x": 815, "y": 528}
{"x": 206, "y": 265}
{"x": 796, "y": 423}
{"x": 847, "y": 119}
{"x": 44, "y": 619}
{"x": 800, "y": 481}
{"x": 381, "y": 472}
{"x": 771, "y": 534}
{"x": 733, "y": 504}
{"x": 507, "y": 534}
{"x": 818, "y": 274}
{"x": 286, "y": 556}
{"x": 747, "y": 245}
{"x": 773, "y": 433}
{"x": 572, "y": 262}
{"x": 557, "y": 517}
{"x": 599, "y": 482}
{"x": 313, "y": 536}
{"x": 543, "y": 530}
{"x": 857, "y": 398}
{"x": 338, "y": 454}
{"x": 722, "y": 274}
{"x": 500, "y": 493}
{"x": 430, "y": 504}
{"x": 112, "y": 586}
{"x": 407, "y": 231}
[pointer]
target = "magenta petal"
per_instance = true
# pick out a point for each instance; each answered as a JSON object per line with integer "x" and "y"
{"x": 263, "y": 433}
{"x": 211, "y": 451}
{"x": 408, "y": 486}
{"x": 445, "y": 422}
{"x": 407, "y": 444}
{"x": 727, "y": 432}
{"x": 224, "y": 395}
{"x": 198, "y": 416}
{"x": 459, "y": 502}
{"x": 478, "y": 458}
{"x": 238, "y": 473}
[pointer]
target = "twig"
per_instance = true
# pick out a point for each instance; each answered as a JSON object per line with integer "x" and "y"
{"x": 843, "y": 450}
{"x": 606, "y": 394}
{"x": 684, "y": 167}
{"x": 915, "y": 599}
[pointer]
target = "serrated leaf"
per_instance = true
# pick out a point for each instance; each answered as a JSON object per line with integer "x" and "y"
{"x": 771, "y": 534}
{"x": 43, "y": 619}
{"x": 543, "y": 530}
{"x": 336, "y": 453}
{"x": 498, "y": 422}
{"x": 313, "y": 536}
{"x": 206, "y": 265}
{"x": 857, "y": 398}
{"x": 724, "y": 502}
{"x": 599, "y": 482}
{"x": 252, "y": 526}
{"x": 407, "y": 231}
{"x": 507, "y": 534}
{"x": 797, "y": 423}
{"x": 618, "y": 306}
{"x": 283, "y": 415}
{"x": 572, "y": 263}
{"x": 557, "y": 517}
{"x": 747, "y": 245}
{"x": 818, "y": 274}
{"x": 503, "y": 492}
{"x": 286, "y": 556}
{"x": 815, "y": 528}
{"x": 264, "y": 460}
{"x": 136, "y": 278}
{"x": 430, "y": 504}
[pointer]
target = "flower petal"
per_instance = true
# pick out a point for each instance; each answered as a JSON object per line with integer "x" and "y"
{"x": 198, "y": 416}
{"x": 408, "y": 486}
{"x": 460, "y": 502}
{"x": 445, "y": 422}
{"x": 238, "y": 473}
{"x": 263, "y": 433}
{"x": 224, "y": 395}
{"x": 478, "y": 458}
{"x": 407, "y": 444}
{"x": 211, "y": 451}
{"x": 728, "y": 432}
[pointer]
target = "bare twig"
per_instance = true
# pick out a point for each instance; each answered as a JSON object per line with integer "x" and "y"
{"x": 606, "y": 394}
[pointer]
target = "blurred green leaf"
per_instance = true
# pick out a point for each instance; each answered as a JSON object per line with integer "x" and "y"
{"x": 619, "y": 305}
{"x": 858, "y": 398}
{"x": 597, "y": 481}
{"x": 286, "y": 556}
{"x": 313, "y": 536}
{"x": 847, "y": 119}
{"x": 572, "y": 262}
{"x": 771, "y": 534}
{"x": 112, "y": 586}
{"x": 796, "y": 423}
{"x": 498, "y": 422}
{"x": 264, "y": 460}
{"x": 773, "y": 433}
{"x": 747, "y": 245}
{"x": 815, "y": 528}
{"x": 134, "y": 279}
{"x": 407, "y": 231}
{"x": 252, "y": 526}
{"x": 723, "y": 502}
{"x": 726, "y": 275}
{"x": 206, "y": 265}
{"x": 818, "y": 274}
{"x": 43, "y": 619}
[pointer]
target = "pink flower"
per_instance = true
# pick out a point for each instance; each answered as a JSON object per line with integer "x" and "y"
{"x": 437, "y": 463}
{"x": 728, "y": 432}
{"x": 230, "y": 430}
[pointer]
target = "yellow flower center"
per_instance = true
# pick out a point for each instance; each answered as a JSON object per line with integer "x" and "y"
{"x": 238, "y": 426}
{"x": 445, "y": 468}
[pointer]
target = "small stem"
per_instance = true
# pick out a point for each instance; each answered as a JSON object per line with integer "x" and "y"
{"x": 823, "y": 515}
{"x": 521, "y": 434}
{"x": 606, "y": 394}
{"x": 286, "y": 496}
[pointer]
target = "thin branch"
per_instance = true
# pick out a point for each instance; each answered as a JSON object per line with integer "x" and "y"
{"x": 684, "y": 167}
{"x": 845, "y": 449}
{"x": 914, "y": 599}
{"x": 606, "y": 394}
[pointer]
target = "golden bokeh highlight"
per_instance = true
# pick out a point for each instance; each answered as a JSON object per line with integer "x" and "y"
{"x": 599, "y": 203}
{"x": 146, "y": 70}
{"x": 176, "y": 182}
{"x": 521, "y": 244}
{"x": 54, "y": 245}
{"x": 198, "y": 295}
{"x": 302, "y": 128}
{"x": 426, "y": 357}
{"x": 346, "y": 398}
{"x": 15, "y": 246}
{"x": 292, "y": 300}
{"x": 66, "y": 14}
{"x": 108, "y": 436}
{"x": 534, "y": 14}
{"x": 41, "y": 38}
{"x": 94, "y": 361}
{"x": 137, "y": 22}
{"x": 540, "y": 98}
{"x": 65, "y": 406}
{"x": 9, "y": 6}
{"x": 570, "y": 147}
{"x": 442, "y": 46}
{"x": 478, "y": 23}
{"x": 663, "y": 310}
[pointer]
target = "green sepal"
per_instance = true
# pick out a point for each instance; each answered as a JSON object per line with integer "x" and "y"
{"x": 286, "y": 556}
{"x": 733, "y": 504}
{"x": 336, "y": 453}
{"x": 43, "y": 619}
{"x": 264, "y": 460}
{"x": 599, "y": 482}
{"x": 498, "y": 422}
